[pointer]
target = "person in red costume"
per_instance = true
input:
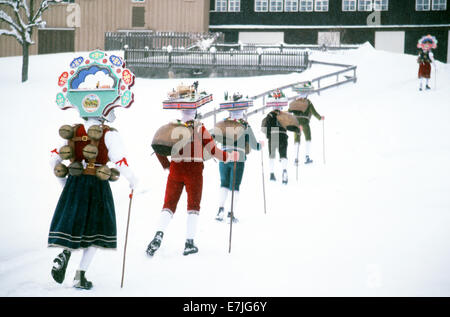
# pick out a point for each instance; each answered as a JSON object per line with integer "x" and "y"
{"x": 186, "y": 170}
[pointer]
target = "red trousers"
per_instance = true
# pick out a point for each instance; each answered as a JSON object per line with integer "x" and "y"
{"x": 189, "y": 174}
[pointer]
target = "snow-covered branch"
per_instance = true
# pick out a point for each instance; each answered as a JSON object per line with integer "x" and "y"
{"x": 23, "y": 9}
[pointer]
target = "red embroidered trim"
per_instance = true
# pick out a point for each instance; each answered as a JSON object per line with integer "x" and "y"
{"x": 123, "y": 160}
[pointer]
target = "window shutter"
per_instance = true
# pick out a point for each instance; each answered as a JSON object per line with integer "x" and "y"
{"x": 138, "y": 17}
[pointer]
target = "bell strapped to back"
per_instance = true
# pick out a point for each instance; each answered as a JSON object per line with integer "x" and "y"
{"x": 300, "y": 104}
{"x": 89, "y": 153}
{"x": 170, "y": 135}
{"x": 228, "y": 131}
{"x": 288, "y": 121}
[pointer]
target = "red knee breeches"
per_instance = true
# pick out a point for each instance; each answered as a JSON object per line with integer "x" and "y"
{"x": 189, "y": 174}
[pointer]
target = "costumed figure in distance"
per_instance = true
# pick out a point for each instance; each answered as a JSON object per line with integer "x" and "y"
{"x": 425, "y": 58}
{"x": 275, "y": 125}
{"x": 303, "y": 109}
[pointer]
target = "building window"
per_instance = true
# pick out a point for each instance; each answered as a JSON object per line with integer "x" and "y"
{"x": 291, "y": 6}
{"x": 422, "y": 5}
{"x": 306, "y": 5}
{"x": 381, "y": 5}
{"x": 261, "y": 5}
{"x": 321, "y": 5}
{"x": 138, "y": 17}
{"x": 439, "y": 5}
{"x": 364, "y": 5}
{"x": 348, "y": 5}
{"x": 135, "y": 1}
{"x": 276, "y": 5}
{"x": 221, "y": 5}
{"x": 234, "y": 5}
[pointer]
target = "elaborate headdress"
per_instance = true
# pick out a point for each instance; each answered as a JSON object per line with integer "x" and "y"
{"x": 95, "y": 84}
{"x": 427, "y": 42}
{"x": 236, "y": 102}
{"x": 276, "y": 99}
{"x": 186, "y": 97}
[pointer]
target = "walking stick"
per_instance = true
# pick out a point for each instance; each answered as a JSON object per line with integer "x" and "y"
{"x": 298, "y": 150}
{"x": 323, "y": 138}
{"x": 126, "y": 238}
{"x": 232, "y": 205}
{"x": 263, "y": 182}
{"x": 296, "y": 164}
{"x": 435, "y": 76}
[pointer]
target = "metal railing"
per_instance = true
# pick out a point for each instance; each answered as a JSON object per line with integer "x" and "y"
{"x": 242, "y": 60}
{"x": 154, "y": 40}
{"x": 344, "y": 76}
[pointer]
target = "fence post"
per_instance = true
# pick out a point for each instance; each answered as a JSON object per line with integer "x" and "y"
{"x": 125, "y": 52}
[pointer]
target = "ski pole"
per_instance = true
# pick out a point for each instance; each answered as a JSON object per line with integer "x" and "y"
{"x": 323, "y": 138}
{"x": 296, "y": 160}
{"x": 232, "y": 205}
{"x": 126, "y": 238}
{"x": 264, "y": 186}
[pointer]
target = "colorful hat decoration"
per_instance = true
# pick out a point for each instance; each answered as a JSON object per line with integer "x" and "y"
{"x": 186, "y": 97}
{"x": 304, "y": 89}
{"x": 427, "y": 42}
{"x": 96, "y": 84}
{"x": 277, "y": 99}
{"x": 237, "y": 102}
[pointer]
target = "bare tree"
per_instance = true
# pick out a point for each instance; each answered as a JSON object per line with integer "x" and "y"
{"x": 22, "y": 16}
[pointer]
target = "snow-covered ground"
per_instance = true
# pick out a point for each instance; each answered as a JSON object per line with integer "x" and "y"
{"x": 372, "y": 221}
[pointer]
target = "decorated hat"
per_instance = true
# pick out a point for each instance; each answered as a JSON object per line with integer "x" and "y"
{"x": 186, "y": 97}
{"x": 427, "y": 42}
{"x": 236, "y": 102}
{"x": 276, "y": 99}
{"x": 95, "y": 85}
{"x": 304, "y": 89}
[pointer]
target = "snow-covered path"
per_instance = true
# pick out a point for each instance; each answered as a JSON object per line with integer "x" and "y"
{"x": 372, "y": 221}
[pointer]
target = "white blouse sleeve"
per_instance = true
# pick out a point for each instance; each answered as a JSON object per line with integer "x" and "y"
{"x": 117, "y": 155}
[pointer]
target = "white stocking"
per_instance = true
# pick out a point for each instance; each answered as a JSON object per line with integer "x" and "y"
{"x": 223, "y": 194}
{"x": 307, "y": 148}
{"x": 86, "y": 259}
{"x": 192, "y": 221}
{"x": 284, "y": 163}
{"x": 164, "y": 220}
{"x": 271, "y": 165}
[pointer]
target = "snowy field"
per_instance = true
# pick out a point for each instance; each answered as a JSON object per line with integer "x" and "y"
{"x": 372, "y": 221}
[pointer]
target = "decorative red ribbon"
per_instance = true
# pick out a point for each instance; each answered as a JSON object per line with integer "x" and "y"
{"x": 123, "y": 160}
{"x": 54, "y": 151}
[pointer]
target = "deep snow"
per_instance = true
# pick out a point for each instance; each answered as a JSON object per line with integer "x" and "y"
{"x": 372, "y": 221}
